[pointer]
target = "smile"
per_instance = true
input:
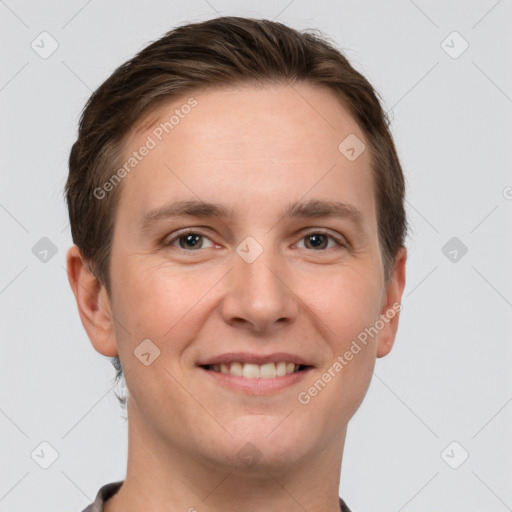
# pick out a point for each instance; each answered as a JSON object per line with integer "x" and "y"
{"x": 255, "y": 371}
{"x": 260, "y": 380}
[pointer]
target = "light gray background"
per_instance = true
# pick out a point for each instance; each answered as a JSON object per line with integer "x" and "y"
{"x": 448, "y": 377}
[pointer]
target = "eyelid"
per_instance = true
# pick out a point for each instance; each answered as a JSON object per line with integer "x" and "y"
{"x": 340, "y": 240}
{"x": 171, "y": 238}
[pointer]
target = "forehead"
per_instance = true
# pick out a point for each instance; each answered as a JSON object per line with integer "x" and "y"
{"x": 248, "y": 146}
{"x": 238, "y": 118}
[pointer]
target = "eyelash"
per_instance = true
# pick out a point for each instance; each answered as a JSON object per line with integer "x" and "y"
{"x": 168, "y": 242}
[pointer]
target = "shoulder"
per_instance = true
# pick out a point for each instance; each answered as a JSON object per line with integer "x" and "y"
{"x": 343, "y": 506}
{"x": 106, "y": 492}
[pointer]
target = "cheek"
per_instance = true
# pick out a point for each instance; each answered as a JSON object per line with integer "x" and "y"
{"x": 346, "y": 302}
{"x": 349, "y": 304}
{"x": 345, "y": 311}
{"x": 154, "y": 299}
{"x": 156, "y": 304}
{"x": 165, "y": 305}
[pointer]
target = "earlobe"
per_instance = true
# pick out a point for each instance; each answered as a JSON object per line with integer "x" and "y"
{"x": 390, "y": 311}
{"x": 93, "y": 303}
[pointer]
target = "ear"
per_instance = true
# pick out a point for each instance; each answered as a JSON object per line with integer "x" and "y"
{"x": 93, "y": 303}
{"x": 391, "y": 307}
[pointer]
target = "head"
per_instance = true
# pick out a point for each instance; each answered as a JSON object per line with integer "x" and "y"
{"x": 254, "y": 118}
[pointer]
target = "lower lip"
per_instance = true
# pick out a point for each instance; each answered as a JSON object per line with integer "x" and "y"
{"x": 256, "y": 386}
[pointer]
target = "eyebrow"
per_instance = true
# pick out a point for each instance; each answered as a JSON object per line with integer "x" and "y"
{"x": 314, "y": 208}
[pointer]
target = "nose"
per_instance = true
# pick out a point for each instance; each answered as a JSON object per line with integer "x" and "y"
{"x": 260, "y": 295}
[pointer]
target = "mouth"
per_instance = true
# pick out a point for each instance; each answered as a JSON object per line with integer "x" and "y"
{"x": 255, "y": 379}
{"x": 269, "y": 370}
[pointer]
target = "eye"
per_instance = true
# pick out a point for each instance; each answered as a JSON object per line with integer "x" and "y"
{"x": 188, "y": 240}
{"x": 191, "y": 240}
{"x": 319, "y": 241}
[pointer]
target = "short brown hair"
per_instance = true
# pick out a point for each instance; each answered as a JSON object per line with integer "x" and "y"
{"x": 219, "y": 52}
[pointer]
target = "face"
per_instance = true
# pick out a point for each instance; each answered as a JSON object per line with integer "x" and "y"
{"x": 286, "y": 268}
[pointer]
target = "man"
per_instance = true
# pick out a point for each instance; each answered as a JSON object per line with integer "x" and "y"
{"x": 236, "y": 202}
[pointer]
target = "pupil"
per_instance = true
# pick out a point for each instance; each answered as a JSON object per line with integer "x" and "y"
{"x": 193, "y": 239}
{"x": 316, "y": 240}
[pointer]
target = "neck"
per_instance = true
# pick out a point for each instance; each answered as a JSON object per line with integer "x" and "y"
{"x": 166, "y": 477}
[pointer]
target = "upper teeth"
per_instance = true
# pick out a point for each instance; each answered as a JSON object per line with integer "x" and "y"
{"x": 254, "y": 371}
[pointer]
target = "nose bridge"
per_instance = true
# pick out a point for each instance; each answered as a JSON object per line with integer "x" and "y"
{"x": 259, "y": 278}
{"x": 257, "y": 293}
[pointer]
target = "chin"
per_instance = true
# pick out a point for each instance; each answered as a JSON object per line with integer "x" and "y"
{"x": 268, "y": 443}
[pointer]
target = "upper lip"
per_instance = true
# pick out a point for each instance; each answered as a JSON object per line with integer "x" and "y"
{"x": 259, "y": 359}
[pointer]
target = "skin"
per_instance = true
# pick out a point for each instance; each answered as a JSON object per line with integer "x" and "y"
{"x": 254, "y": 149}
